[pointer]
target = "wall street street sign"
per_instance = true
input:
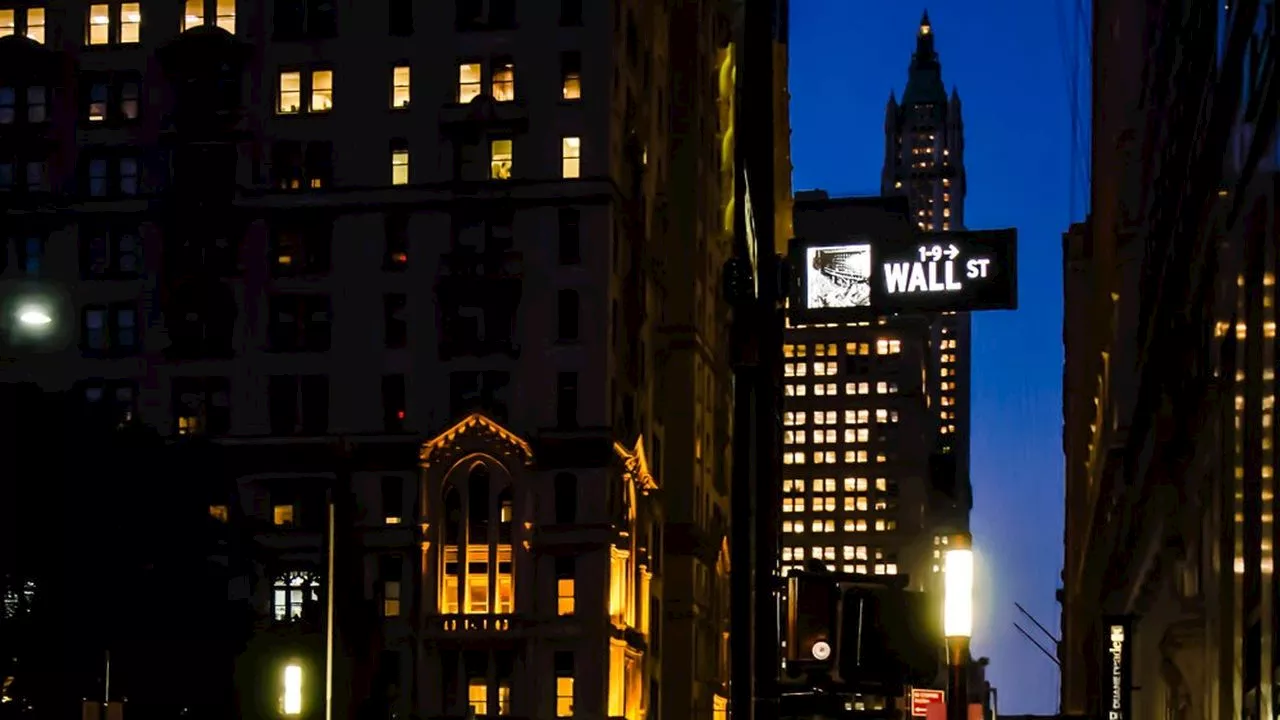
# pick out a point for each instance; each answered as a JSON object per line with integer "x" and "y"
{"x": 862, "y": 276}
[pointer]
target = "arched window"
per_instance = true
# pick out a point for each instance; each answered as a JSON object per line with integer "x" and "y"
{"x": 479, "y": 579}
{"x": 294, "y": 597}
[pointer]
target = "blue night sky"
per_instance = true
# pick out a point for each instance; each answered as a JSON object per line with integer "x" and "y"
{"x": 1008, "y": 61}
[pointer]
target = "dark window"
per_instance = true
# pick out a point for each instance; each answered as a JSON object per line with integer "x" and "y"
{"x": 109, "y": 252}
{"x": 396, "y": 230}
{"x": 112, "y": 98}
{"x": 570, "y": 12}
{"x": 567, "y": 399}
{"x": 109, "y": 329}
{"x": 30, "y": 103}
{"x": 570, "y": 234}
{"x": 502, "y": 13}
{"x": 392, "y": 499}
{"x": 30, "y": 255}
{"x": 393, "y": 403}
{"x": 110, "y": 401}
{"x": 318, "y": 164}
{"x": 566, "y": 498}
{"x": 302, "y": 19}
{"x": 468, "y": 14}
{"x": 400, "y": 17}
{"x": 487, "y": 391}
{"x": 201, "y": 406}
{"x": 298, "y": 405}
{"x": 107, "y": 176}
{"x": 286, "y": 165}
{"x": 395, "y": 326}
{"x": 300, "y": 323}
{"x": 302, "y": 249}
{"x": 567, "y": 315}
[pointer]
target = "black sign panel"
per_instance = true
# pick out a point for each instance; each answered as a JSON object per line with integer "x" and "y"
{"x": 864, "y": 276}
{"x": 1116, "y": 667}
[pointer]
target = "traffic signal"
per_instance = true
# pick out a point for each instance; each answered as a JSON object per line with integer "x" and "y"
{"x": 859, "y": 633}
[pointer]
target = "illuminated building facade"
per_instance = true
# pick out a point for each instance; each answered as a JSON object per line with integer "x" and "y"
{"x": 924, "y": 161}
{"x": 453, "y": 265}
{"x": 1169, "y": 397}
{"x": 856, "y": 488}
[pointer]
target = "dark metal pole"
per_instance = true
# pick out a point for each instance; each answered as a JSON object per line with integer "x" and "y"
{"x": 958, "y": 678}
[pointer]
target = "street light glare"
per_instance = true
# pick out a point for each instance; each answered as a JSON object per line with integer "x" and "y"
{"x": 33, "y": 316}
{"x": 957, "y": 617}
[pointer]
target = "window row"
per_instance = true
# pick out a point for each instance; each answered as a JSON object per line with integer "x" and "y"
{"x": 828, "y": 504}
{"x": 883, "y": 346}
{"x": 500, "y": 160}
{"x": 797, "y": 527}
{"x": 851, "y": 485}
{"x": 828, "y": 457}
{"x": 311, "y": 90}
{"x": 819, "y": 437}
{"x": 882, "y": 387}
{"x": 829, "y": 417}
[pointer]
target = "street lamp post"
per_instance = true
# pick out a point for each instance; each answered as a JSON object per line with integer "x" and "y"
{"x": 958, "y": 623}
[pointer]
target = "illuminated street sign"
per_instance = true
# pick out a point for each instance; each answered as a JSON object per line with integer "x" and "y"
{"x": 864, "y": 276}
{"x": 922, "y": 698}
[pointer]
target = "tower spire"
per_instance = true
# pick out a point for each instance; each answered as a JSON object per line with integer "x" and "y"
{"x": 924, "y": 82}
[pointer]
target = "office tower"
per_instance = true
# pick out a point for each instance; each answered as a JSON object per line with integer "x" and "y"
{"x": 924, "y": 160}
{"x": 876, "y": 419}
{"x": 431, "y": 257}
{"x": 857, "y": 425}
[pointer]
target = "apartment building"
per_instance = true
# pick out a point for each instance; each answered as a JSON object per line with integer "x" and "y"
{"x": 439, "y": 285}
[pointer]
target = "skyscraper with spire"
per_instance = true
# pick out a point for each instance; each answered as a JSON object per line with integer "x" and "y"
{"x": 875, "y": 413}
{"x": 924, "y": 161}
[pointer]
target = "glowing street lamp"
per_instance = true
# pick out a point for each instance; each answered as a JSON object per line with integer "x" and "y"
{"x": 291, "y": 701}
{"x": 957, "y": 622}
{"x": 34, "y": 316}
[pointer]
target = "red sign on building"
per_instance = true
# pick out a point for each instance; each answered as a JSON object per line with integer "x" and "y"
{"x": 922, "y": 698}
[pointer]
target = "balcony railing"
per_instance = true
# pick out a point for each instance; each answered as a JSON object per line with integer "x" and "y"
{"x": 459, "y": 623}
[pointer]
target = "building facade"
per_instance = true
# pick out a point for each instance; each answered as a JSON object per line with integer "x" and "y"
{"x": 1169, "y": 429}
{"x": 488, "y": 291}
{"x": 876, "y": 414}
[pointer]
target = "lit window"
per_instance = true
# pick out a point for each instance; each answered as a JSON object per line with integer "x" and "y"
{"x": 226, "y": 17}
{"x": 99, "y": 31}
{"x": 399, "y": 164}
{"x": 400, "y": 86}
{"x": 291, "y": 593}
{"x": 291, "y": 698}
{"x": 571, "y": 76}
{"x": 571, "y": 157}
{"x": 193, "y": 14}
{"x": 564, "y": 697}
{"x": 468, "y": 82}
{"x": 504, "y": 697}
{"x": 391, "y": 598}
{"x": 290, "y": 93}
{"x": 500, "y": 158}
{"x": 565, "y": 600}
{"x": 478, "y": 696}
{"x": 504, "y": 81}
{"x": 219, "y": 513}
{"x": 130, "y": 22}
{"x": 8, "y": 22}
{"x": 35, "y": 25}
{"x": 282, "y": 515}
{"x": 321, "y": 91}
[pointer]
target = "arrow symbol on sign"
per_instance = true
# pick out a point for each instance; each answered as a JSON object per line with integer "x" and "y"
{"x": 952, "y": 252}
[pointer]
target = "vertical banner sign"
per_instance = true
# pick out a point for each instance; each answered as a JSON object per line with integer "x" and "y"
{"x": 1116, "y": 665}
